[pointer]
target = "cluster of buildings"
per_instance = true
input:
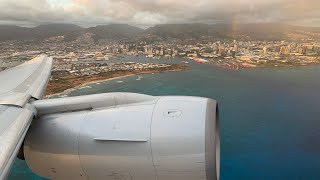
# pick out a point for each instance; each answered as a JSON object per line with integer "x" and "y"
{"x": 227, "y": 53}
{"x": 239, "y": 54}
{"x": 89, "y": 69}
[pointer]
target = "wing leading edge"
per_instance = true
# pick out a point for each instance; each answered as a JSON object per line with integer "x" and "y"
{"x": 18, "y": 86}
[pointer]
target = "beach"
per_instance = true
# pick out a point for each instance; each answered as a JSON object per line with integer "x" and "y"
{"x": 67, "y": 83}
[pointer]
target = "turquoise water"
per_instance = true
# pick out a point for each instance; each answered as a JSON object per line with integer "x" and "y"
{"x": 270, "y": 117}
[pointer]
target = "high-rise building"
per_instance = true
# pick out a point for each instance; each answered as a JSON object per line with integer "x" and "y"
{"x": 150, "y": 51}
{"x": 235, "y": 48}
{"x": 233, "y": 53}
{"x": 161, "y": 52}
{"x": 265, "y": 50}
{"x": 302, "y": 50}
{"x": 284, "y": 50}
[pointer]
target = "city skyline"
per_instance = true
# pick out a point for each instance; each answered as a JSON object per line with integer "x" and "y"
{"x": 145, "y": 13}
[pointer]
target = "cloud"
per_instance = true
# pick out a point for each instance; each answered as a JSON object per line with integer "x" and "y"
{"x": 91, "y": 12}
{"x": 210, "y": 11}
{"x": 31, "y": 12}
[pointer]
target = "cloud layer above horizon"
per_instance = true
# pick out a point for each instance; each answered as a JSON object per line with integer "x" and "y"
{"x": 150, "y": 12}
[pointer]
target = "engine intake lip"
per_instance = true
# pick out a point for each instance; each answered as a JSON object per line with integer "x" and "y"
{"x": 212, "y": 141}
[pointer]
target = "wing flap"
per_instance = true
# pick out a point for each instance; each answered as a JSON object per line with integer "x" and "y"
{"x": 17, "y": 99}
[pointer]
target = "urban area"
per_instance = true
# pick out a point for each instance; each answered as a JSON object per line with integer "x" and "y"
{"x": 81, "y": 61}
{"x": 230, "y": 54}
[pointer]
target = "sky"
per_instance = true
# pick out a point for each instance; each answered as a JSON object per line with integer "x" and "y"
{"x": 146, "y": 13}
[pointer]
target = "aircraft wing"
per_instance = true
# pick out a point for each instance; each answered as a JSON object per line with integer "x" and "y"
{"x": 19, "y": 86}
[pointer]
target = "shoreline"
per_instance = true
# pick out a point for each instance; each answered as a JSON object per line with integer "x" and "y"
{"x": 85, "y": 84}
{"x": 265, "y": 66}
{"x": 103, "y": 78}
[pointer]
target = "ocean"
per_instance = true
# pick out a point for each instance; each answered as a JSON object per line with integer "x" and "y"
{"x": 269, "y": 117}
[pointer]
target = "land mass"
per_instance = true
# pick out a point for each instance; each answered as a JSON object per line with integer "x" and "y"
{"x": 62, "y": 81}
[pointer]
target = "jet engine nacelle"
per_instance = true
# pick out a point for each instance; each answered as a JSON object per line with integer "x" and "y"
{"x": 125, "y": 136}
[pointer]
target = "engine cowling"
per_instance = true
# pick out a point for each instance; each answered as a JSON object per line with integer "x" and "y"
{"x": 163, "y": 138}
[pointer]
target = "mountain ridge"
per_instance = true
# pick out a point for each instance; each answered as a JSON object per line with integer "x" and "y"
{"x": 258, "y": 31}
{"x": 13, "y": 32}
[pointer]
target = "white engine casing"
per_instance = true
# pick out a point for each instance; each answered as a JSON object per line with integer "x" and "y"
{"x": 125, "y": 136}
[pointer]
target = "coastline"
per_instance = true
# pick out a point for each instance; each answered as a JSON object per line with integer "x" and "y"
{"x": 85, "y": 84}
{"x": 98, "y": 78}
{"x": 253, "y": 66}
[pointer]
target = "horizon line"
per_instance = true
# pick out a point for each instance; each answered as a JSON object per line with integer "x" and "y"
{"x": 146, "y": 26}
